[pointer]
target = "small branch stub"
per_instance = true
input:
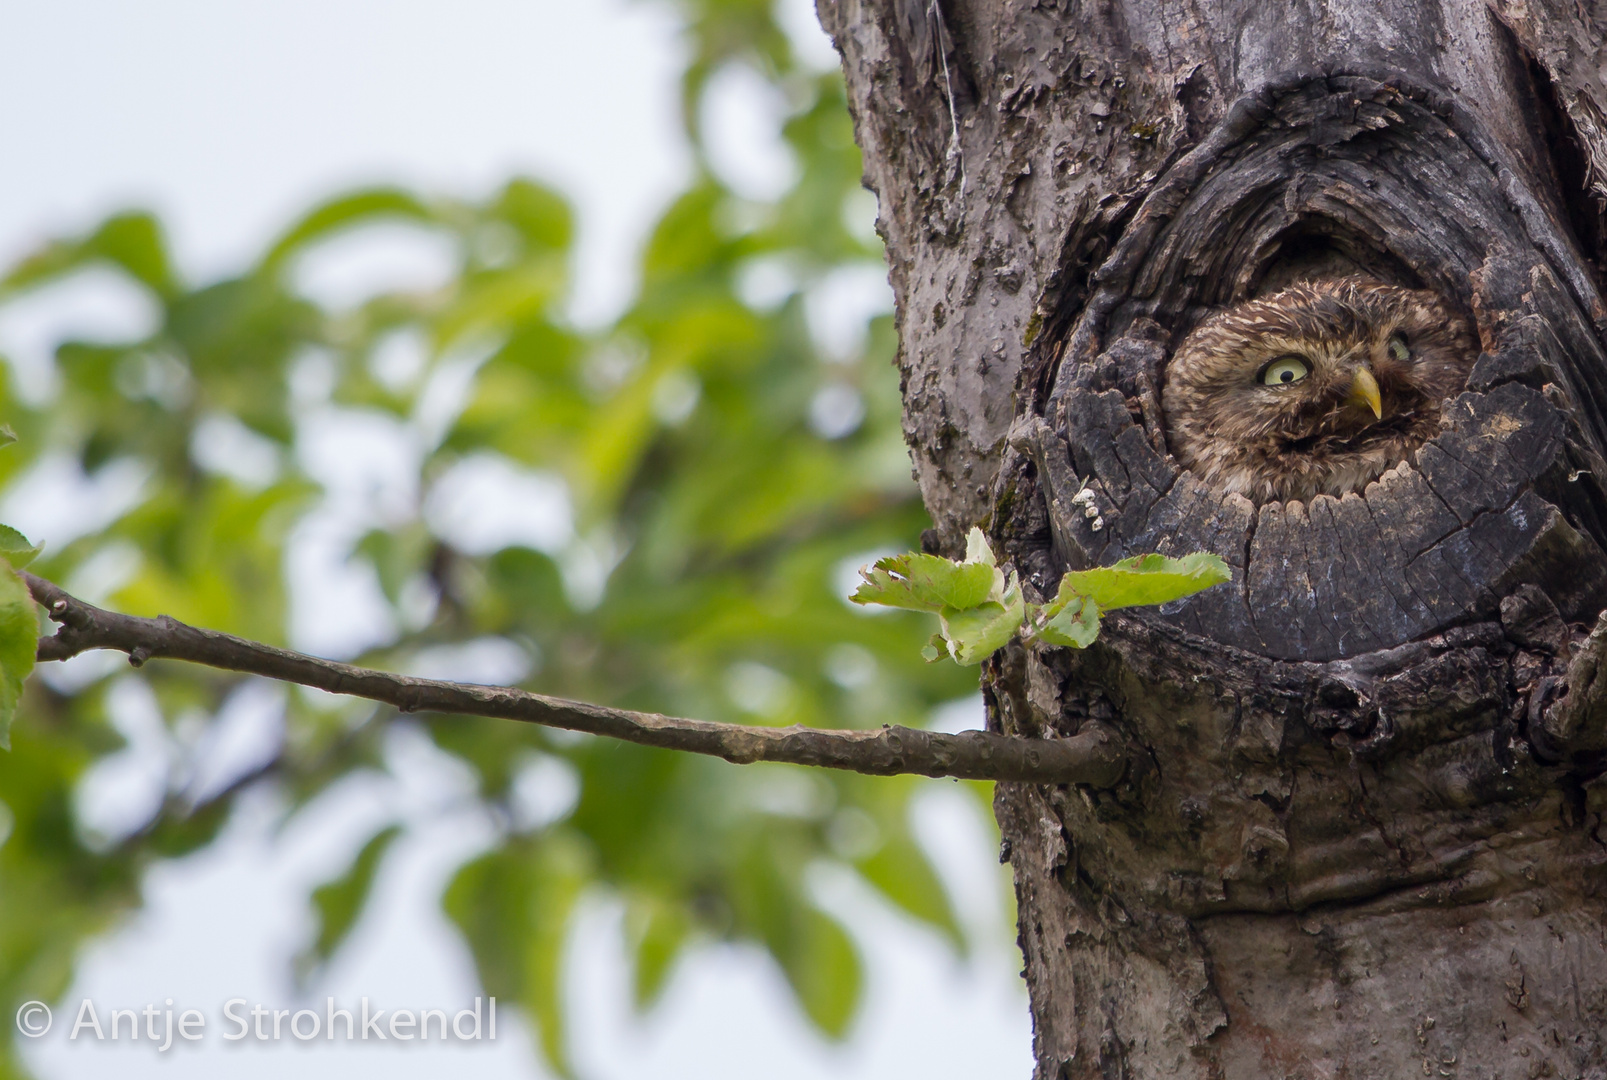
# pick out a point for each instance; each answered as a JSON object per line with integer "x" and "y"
{"x": 1577, "y": 724}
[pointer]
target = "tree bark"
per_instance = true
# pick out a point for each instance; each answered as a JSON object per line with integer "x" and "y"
{"x": 1359, "y": 831}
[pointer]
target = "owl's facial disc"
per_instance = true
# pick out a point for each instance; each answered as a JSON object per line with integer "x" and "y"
{"x": 1316, "y": 390}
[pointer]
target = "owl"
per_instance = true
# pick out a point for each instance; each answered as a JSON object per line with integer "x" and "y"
{"x": 1315, "y": 390}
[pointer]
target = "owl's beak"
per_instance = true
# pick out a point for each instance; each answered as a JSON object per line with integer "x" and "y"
{"x": 1364, "y": 391}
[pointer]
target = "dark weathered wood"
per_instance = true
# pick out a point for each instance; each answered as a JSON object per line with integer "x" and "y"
{"x": 1381, "y": 173}
{"x": 1359, "y": 831}
{"x": 1576, "y": 725}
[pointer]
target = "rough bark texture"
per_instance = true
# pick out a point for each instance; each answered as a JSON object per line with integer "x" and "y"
{"x": 1359, "y": 831}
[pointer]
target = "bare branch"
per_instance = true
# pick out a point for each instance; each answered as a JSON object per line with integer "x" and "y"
{"x": 1094, "y": 756}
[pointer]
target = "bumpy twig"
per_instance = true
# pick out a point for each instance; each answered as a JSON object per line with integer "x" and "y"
{"x": 1094, "y": 756}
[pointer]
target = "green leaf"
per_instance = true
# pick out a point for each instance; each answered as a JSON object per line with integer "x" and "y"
{"x": 1145, "y": 579}
{"x": 977, "y": 549}
{"x": 925, "y": 583}
{"x": 660, "y": 929}
{"x": 397, "y": 554}
{"x": 825, "y": 973}
{"x": 136, "y": 243}
{"x": 900, "y": 871}
{"x": 515, "y": 906}
{"x": 539, "y": 213}
{"x": 132, "y": 241}
{"x": 976, "y": 633}
{"x": 932, "y": 583}
{"x": 339, "y": 902}
{"x": 15, "y": 549}
{"x": 345, "y": 212}
{"x": 1074, "y": 624}
{"x": 19, "y": 643}
{"x": 980, "y": 608}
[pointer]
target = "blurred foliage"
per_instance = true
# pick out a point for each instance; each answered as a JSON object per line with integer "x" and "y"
{"x": 721, "y": 472}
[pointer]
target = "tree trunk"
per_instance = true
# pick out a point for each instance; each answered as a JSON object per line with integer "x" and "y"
{"x": 1358, "y": 833}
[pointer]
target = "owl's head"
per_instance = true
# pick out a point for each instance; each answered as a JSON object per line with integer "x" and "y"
{"x": 1318, "y": 389}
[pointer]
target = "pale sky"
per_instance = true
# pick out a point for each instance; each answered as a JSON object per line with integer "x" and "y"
{"x": 228, "y": 118}
{"x": 231, "y": 117}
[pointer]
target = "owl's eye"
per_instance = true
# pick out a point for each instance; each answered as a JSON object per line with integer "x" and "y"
{"x": 1284, "y": 370}
{"x": 1398, "y": 350}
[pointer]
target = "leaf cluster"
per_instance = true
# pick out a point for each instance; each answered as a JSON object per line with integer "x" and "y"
{"x": 980, "y": 608}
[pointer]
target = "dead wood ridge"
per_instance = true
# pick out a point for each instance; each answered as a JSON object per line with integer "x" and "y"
{"x": 1093, "y": 756}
